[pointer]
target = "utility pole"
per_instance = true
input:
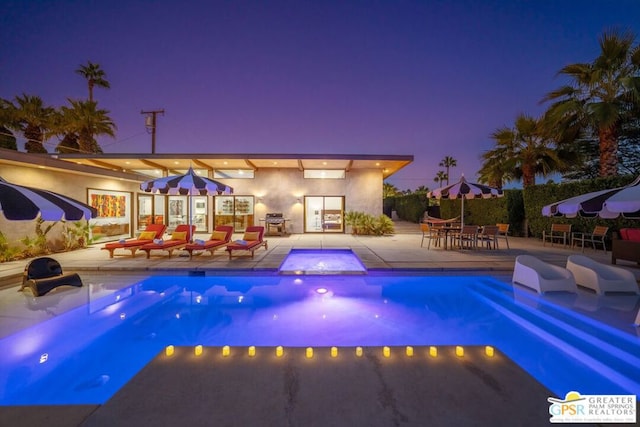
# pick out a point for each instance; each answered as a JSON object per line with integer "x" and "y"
{"x": 150, "y": 124}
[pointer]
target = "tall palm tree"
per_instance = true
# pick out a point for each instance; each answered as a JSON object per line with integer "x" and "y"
{"x": 441, "y": 176}
{"x": 80, "y": 124}
{"x": 389, "y": 190}
{"x": 30, "y": 116}
{"x": 495, "y": 170}
{"x": 600, "y": 97}
{"x": 448, "y": 162}
{"x": 523, "y": 149}
{"x": 94, "y": 76}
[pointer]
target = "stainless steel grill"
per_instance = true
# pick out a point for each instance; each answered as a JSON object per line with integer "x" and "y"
{"x": 275, "y": 223}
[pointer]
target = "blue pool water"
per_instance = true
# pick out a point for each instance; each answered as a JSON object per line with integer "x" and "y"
{"x": 86, "y": 354}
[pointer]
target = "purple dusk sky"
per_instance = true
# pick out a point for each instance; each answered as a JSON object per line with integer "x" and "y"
{"x": 423, "y": 78}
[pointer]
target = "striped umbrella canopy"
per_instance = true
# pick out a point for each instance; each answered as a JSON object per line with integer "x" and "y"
{"x": 19, "y": 203}
{"x": 464, "y": 189}
{"x": 189, "y": 184}
{"x": 606, "y": 204}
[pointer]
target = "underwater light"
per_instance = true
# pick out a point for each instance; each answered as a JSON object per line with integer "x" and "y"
{"x": 322, "y": 291}
{"x": 44, "y": 357}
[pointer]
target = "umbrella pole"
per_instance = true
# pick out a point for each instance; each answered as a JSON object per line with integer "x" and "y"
{"x": 462, "y": 212}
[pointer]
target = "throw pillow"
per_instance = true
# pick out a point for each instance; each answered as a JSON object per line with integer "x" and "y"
{"x": 218, "y": 235}
{"x": 251, "y": 236}
{"x": 179, "y": 235}
{"x": 147, "y": 235}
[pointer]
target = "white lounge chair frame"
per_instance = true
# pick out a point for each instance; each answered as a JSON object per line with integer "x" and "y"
{"x": 601, "y": 277}
{"x": 543, "y": 277}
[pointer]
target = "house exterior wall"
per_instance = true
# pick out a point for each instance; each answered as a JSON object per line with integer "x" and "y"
{"x": 66, "y": 183}
{"x": 278, "y": 189}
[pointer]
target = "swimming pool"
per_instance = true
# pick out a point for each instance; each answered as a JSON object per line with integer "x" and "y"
{"x": 84, "y": 355}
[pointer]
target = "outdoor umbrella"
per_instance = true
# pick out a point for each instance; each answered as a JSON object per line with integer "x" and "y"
{"x": 606, "y": 204}
{"x": 25, "y": 203}
{"x": 464, "y": 190}
{"x": 188, "y": 184}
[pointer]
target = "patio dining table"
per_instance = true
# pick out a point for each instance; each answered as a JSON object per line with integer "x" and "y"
{"x": 447, "y": 229}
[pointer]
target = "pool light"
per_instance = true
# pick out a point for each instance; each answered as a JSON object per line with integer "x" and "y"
{"x": 322, "y": 291}
{"x": 489, "y": 351}
{"x": 459, "y": 351}
{"x": 44, "y": 357}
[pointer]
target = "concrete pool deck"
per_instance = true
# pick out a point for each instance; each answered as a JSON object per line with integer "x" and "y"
{"x": 371, "y": 391}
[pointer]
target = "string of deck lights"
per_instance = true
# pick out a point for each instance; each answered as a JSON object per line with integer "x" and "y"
{"x": 333, "y": 351}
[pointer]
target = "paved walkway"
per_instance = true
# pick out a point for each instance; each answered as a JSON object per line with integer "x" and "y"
{"x": 399, "y": 251}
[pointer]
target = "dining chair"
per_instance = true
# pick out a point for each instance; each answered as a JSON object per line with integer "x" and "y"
{"x": 468, "y": 237}
{"x": 503, "y": 233}
{"x": 489, "y": 236}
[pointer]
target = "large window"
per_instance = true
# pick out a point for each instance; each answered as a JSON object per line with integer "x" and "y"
{"x": 236, "y": 211}
{"x": 324, "y": 174}
{"x": 233, "y": 173}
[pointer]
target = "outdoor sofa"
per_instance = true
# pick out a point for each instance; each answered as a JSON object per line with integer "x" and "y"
{"x": 627, "y": 247}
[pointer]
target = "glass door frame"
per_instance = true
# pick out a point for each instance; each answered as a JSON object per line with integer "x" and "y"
{"x": 324, "y": 220}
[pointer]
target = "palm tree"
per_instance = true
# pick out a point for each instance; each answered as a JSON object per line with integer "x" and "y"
{"x": 94, "y": 76}
{"x": 7, "y": 139}
{"x": 600, "y": 97}
{"x": 524, "y": 150}
{"x": 30, "y": 116}
{"x": 495, "y": 171}
{"x": 448, "y": 162}
{"x": 389, "y": 190}
{"x": 80, "y": 124}
{"x": 441, "y": 176}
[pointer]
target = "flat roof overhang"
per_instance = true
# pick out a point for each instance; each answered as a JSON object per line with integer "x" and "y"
{"x": 150, "y": 164}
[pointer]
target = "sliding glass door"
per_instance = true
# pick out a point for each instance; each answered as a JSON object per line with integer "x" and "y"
{"x": 324, "y": 214}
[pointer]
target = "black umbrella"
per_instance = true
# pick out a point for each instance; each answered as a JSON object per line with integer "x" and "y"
{"x": 26, "y": 203}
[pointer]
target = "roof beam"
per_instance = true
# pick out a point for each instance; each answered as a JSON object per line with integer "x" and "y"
{"x": 300, "y": 166}
{"x": 348, "y": 167}
{"x": 250, "y": 164}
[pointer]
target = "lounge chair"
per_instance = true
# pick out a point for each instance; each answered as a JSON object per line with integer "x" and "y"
{"x": 601, "y": 277}
{"x": 219, "y": 239}
{"x": 42, "y": 275}
{"x": 251, "y": 241}
{"x": 179, "y": 239}
{"x": 531, "y": 272}
{"x": 152, "y": 232}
